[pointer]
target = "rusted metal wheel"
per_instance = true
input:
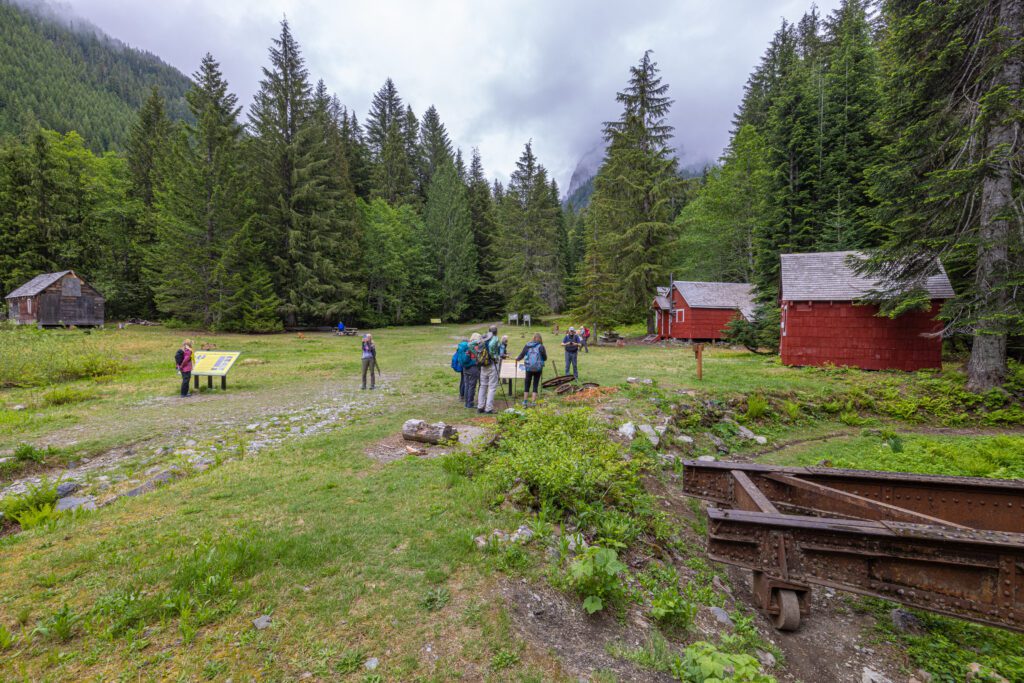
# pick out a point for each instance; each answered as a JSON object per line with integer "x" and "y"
{"x": 788, "y": 618}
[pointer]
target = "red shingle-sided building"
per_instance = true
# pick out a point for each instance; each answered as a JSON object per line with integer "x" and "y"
{"x": 700, "y": 310}
{"x": 823, "y": 323}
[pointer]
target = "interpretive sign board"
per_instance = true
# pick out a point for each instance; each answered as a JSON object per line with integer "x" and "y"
{"x": 212, "y": 364}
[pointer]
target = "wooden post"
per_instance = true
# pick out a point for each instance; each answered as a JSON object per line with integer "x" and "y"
{"x": 196, "y": 378}
{"x": 698, "y": 351}
{"x": 224, "y": 382}
{"x": 209, "y": 382}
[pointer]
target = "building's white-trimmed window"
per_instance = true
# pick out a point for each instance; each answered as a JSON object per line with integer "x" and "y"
{"x": 680, "y": 315}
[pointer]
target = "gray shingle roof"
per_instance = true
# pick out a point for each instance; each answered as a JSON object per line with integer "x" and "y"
{"x": 37, "y": 284}
{"x": 827, "y": 276}
{"x": 738, "y": 295}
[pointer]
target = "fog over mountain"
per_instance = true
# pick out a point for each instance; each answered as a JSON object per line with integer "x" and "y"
{"x": 499, "y": 73}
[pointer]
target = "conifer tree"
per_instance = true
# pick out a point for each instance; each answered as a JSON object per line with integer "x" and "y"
{"x": 388, "y": 138}
{"x": 635, "y": 195}
{"x": 200, "y": 203}
{"x": 435, "y": 149}
{"x": 527, "y": 251}
{"x": 950, "y": 178}
{"x": 449, "y": 233}
{"x": 303, "y": 206}
{"x": 850, "y": 107}
{"x": 357, "y": 155}
{"x": 486, "y": 300}
{"x": 147, "y": 141}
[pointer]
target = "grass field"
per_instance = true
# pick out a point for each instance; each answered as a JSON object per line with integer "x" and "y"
{"x": 354, "y": 559}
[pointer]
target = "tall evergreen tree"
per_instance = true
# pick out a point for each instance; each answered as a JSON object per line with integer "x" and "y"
{"x": 435, "y": 149}
{"x": 486, "y": 300}
{"x": 302, "y": 205}
{"x": 527, "y": 249}
{"x": 635, "y": 195}
{"x": 449, "y": 231}
{"x": 849, "y": 111}
{"x": 392, "y": 146}
{"x": 147, "y": 141}
{"x": 200, "y": 203}
{"x": 950, "y": 181}
{"x": 357, "y": 155}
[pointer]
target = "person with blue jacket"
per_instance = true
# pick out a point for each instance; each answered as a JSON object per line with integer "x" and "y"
{"x": 470, "y": 370}
{"x": 460, "y": 352}
{"x": 536, "y": 356}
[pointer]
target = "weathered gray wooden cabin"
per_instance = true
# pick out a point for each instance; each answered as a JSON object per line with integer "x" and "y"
{"x": 55, "y": 300}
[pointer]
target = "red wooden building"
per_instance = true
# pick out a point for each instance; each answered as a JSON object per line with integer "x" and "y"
{"x": 823, "y": 323}
{"x": 700, "y": 310}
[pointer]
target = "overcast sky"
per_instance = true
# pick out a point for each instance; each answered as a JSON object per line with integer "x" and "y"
{"x": 499, "y": 73}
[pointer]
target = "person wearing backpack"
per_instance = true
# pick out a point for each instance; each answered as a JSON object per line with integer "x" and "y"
{"x": 470, "y": 368}
{"x": 586, "y": 339}
{"x": 535, "y": 356}
{"x": 183, "y": 361}
{"x": 490, "y": 356}
{"x": 369, "y": 358}
{"x": 457, "y": 366}
{"x": 572, "y": 343}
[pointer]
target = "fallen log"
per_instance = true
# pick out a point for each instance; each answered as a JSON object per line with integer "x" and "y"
{"x": 418, "y": 430}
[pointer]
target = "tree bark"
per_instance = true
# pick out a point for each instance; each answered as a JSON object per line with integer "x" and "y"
{"x": 987, "y": 366}
{"x": 418, "y": 430}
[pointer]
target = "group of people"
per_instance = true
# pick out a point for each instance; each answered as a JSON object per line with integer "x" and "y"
{"x": 478, "y": 362}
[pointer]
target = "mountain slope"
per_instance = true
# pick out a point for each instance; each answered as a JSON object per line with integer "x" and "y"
{"x": 73, "y": 77}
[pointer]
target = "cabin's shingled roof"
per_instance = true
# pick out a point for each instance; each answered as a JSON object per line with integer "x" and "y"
{"x": 829, "y": 276}
{"x": 37, "y": 284}
{"x": 738, "y": 295}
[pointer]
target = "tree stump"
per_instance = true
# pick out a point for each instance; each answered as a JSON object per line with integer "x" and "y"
{"x": 418, "y": 430}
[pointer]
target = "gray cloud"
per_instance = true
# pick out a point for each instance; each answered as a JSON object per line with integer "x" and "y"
{"x": 499, "y": 73}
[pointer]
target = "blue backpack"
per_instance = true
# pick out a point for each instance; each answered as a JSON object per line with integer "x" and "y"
{"x": 456, "y": 363}
{"x": 534, "y": 361}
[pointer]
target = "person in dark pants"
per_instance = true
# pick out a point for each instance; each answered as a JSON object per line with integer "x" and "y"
{"x": 470, "y": 371}
{"x": 586, "y": 339}
{"x": 572, "y": 344}
{"x": 369, "y": 361}
{"x": 536, "y": 356}
{"x": 183, "y": 361}
{"x": 460, "y": 353}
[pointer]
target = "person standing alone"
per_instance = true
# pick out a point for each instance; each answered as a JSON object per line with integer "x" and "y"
{"x": 369, "y": 361}
{"x": 572, "y": 343}
{"x": 490, "y": 356}
{"x": 183, "y": 361}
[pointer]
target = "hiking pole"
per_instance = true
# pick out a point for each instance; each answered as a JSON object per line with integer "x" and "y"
{"x": 376, "y": 366}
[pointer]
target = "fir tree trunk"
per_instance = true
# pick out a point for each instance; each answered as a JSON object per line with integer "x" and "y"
{"x": 987, "y": 367}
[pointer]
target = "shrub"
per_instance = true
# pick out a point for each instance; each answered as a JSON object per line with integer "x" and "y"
{"x": 702, "y": 662}
{"x": 757, "y": 407}
{"x": 594, "y": 576}
{"x": 65, "y": 395}
{"x": 36, "y": 516}
{"x": 26, "y": 452}
{"x": 61, "y": 625}
{"x": 792, "y": 410}
{"x": 36, "y": 496}
{"x": 566, "y": 460}
{"x": 671, "y": 608}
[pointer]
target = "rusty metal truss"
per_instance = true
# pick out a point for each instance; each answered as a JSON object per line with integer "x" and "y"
{"x": 951, "y": 545}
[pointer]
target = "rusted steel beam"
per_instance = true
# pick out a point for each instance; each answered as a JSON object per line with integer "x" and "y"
{"x": 821, "y": 499}
{"x": 968, "y": 574}
{"x": 993, "y": 504}
{"x": 748, "y": 496}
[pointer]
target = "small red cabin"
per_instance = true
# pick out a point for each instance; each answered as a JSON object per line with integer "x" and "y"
{"x": 823, "y": 323}
{"x": 56, "y": 300}
{"x": 700, "y": 310}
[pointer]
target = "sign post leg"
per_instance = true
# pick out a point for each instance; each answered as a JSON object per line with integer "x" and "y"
{"x": 224, "y": 382}
{"x": 209, "y": 381}
{"x": 196, "y": 377}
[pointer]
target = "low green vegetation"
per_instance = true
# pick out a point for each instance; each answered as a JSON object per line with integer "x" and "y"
{"x": 34, "y": 357}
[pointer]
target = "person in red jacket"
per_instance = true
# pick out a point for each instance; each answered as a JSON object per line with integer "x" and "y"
{"x": 183, "y": 361}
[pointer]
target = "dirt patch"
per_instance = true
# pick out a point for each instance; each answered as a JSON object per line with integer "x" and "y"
{"x": 591, "y": 395}
{"x": 394, "y": 447}
{"x": 554, "y": 622}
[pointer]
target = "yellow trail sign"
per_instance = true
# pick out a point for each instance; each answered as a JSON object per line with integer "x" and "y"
{"x": 214, "y": 363}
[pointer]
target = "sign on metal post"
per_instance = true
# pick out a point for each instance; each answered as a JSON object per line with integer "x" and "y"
{"x": 212, "y": 364}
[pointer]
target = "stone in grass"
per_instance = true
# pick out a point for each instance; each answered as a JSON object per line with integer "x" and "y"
{"x": 18, "y": 407}
{"x": 261, "y": 622}
{"x": 904, "y": 621}
{"x": 628, "y": 430}
{"x": 75, "y": 503}
{"x": 650, "y": 433}
{"x": 767, "y": 659}
{"x": 66, "y": 488}
{"x": 869, "y": 675}
{"x": 372, "y": 663}
{"x": 721, "y": 616}
{"x": 683, "y": 438}
{"x": 706, "y": 458}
